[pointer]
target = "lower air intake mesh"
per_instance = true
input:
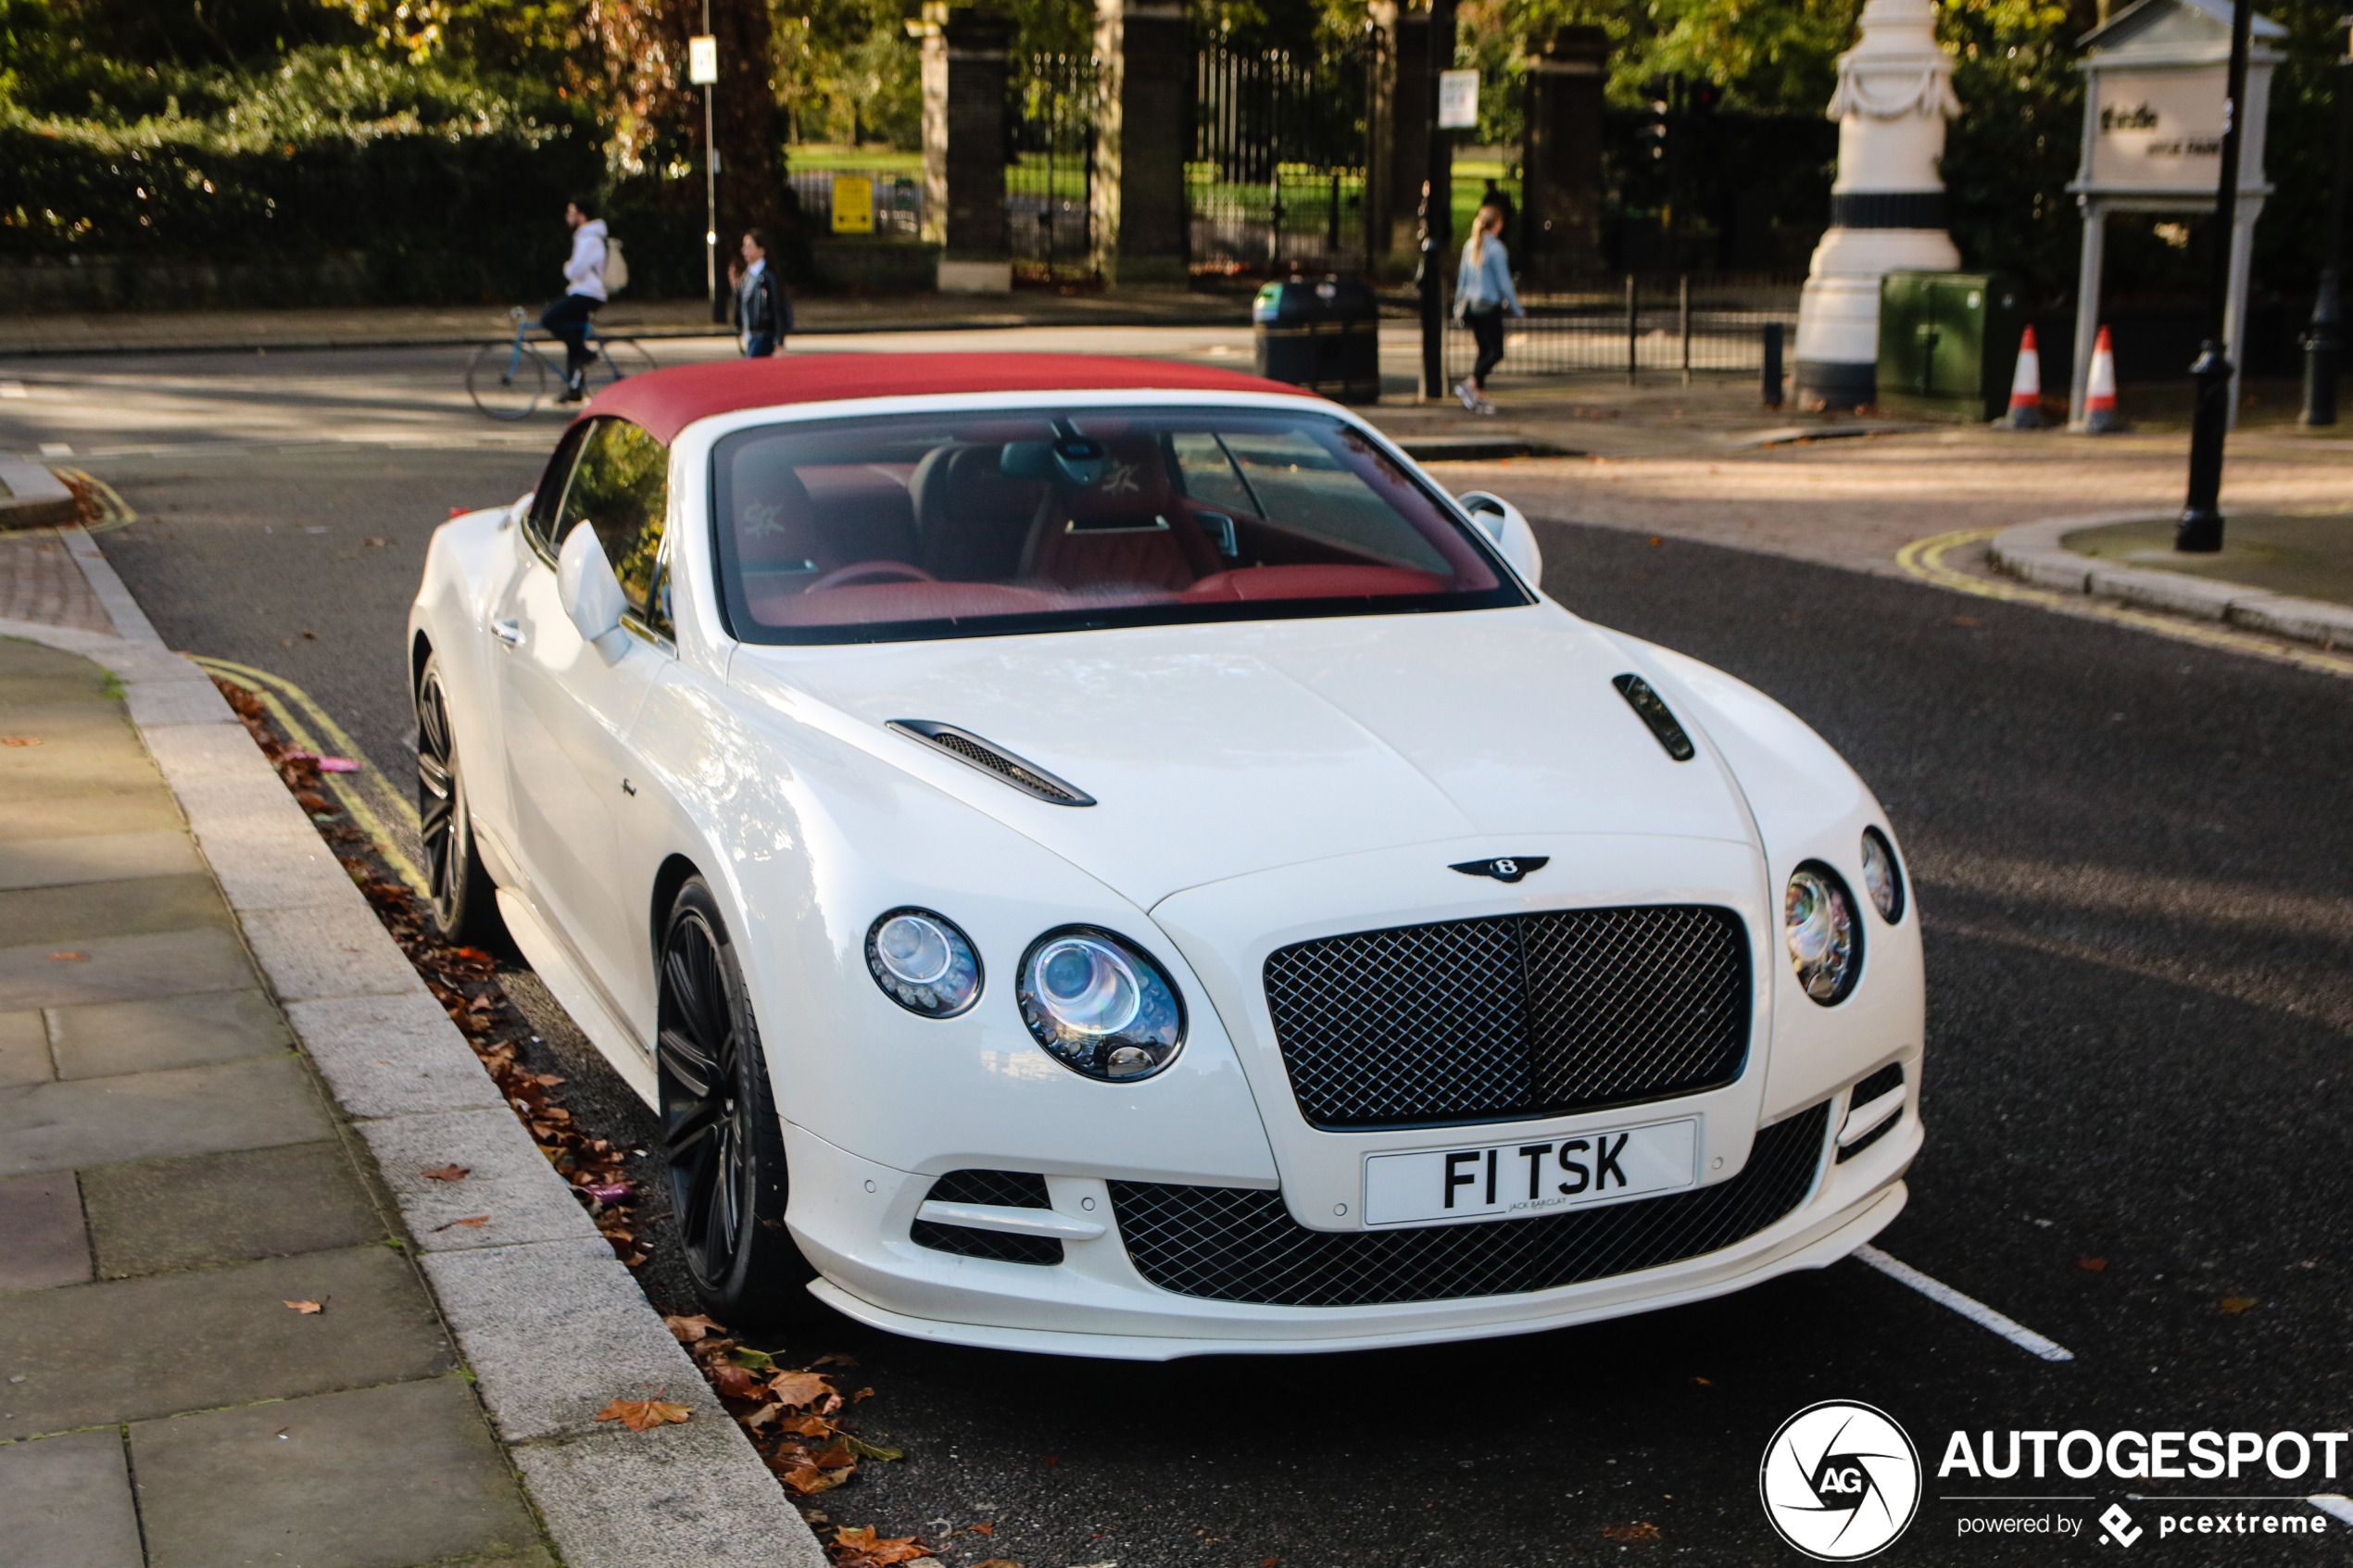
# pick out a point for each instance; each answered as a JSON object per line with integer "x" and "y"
{"x": 1235, "y": 1244}
{"x": 1004, "y": 1189}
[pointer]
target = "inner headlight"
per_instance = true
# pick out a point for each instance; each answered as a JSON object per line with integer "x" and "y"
{"x": 1883, "y": 879}
{"x": 923, "y": 962}
{"x": 1099, "y": 1004}
{"x": 1825, "y": 939}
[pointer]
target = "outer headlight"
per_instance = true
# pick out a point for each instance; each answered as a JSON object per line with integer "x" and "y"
{"x": 1825, "y": 937}
{"x": 1099, "y": 1004}
{"x": 923, "y": 962}
{"x": 1883, "y": 878}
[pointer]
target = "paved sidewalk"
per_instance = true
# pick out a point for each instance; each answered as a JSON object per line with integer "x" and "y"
{"x": 176, "y": 1190}
{"x": 408, "y": 326}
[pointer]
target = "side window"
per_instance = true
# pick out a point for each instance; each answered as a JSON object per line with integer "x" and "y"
{"x": 1209, "y": 473}
{"x": 540, "y": 521}
{"x": 621, "y": 488}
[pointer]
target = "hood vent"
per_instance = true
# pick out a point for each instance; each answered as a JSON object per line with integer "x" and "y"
{"x": 1657, "y": 714}
{"x": 996, "y": 761}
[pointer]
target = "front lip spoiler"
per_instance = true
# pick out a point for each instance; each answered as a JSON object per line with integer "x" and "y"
{"x": 1846, "y": 1233}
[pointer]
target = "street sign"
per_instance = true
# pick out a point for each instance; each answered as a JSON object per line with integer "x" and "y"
{"x": 703, "y": 60}
{"x": 1457, "y": 100}
{"x": 853, "y": 204}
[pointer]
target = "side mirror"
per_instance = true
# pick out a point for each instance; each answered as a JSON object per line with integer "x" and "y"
{"x": 1502, "y": 522}
{"x": 585, "y": 584}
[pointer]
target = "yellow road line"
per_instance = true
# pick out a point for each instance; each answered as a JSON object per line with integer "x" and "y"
{"x": 309, "y": 726}
{"x": 1924, "y": 559}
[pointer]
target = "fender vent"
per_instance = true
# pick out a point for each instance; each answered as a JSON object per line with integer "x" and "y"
{"x": 1653, "y": 708}
{"x": 973, "y": 751}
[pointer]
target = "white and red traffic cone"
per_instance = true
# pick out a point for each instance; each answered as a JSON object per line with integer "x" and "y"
{"x": 2099, "y": 391}
{"x": 2026, "y": 387}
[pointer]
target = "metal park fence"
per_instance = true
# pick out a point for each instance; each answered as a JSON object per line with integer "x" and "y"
{"x": 1050, "y": 178}
{"x": 1676, "y": 325}
{"x": 1282, "y": 146}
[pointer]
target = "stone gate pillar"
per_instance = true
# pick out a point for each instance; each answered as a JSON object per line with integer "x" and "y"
{"x": 971, "y": 64}
{"x": 1407, "y": 136}
{"x": 1561, "y": 162}
{"x": 1145, "y": 51}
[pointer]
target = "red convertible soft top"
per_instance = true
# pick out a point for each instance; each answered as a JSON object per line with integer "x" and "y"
{"x": 666, "y": 402}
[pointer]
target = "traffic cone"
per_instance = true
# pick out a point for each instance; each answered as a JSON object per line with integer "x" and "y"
{"x": 2099, "y": 392}
{"x": 2026, "y": 387}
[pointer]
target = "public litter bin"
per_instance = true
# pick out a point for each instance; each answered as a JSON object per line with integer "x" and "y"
{"x": 1947, "y": 342}
{"x": 1324, "y": 335}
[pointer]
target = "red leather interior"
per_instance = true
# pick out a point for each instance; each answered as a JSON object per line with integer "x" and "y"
{"x": 1125, "y": 530}
{"x": 896, "y": 601}
{"x": 1253, "y": 583}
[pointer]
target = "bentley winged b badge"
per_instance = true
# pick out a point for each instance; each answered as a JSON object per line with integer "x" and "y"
{"x": 1504, "y": 868}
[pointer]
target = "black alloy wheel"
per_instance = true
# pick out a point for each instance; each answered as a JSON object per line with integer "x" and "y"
{"x": 464, "y": 902}
{"x": 722, "y": 1135}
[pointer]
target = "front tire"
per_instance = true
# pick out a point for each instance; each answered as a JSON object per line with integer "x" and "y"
{"x": 464, "y": 901}
{"x": 723, "y": 1139}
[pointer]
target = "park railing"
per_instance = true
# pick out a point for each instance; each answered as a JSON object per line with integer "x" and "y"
{"x": 1638, "y": 326}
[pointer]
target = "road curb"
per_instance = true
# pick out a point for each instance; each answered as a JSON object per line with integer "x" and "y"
{"x": 30, "y": 497}
{"x": 2033, "y": 553}
{"x": 550, "y": 1323}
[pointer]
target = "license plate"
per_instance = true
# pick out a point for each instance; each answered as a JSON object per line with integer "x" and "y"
{"x": 1520, "y": 1180}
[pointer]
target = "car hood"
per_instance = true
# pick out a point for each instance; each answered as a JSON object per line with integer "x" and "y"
{"x": 1214, "y": 751}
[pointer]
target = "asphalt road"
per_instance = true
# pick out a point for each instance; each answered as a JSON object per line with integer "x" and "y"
{"x": 2134, "y": 857}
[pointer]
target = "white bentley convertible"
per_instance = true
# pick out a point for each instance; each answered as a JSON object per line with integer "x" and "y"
{"x": 1106, "y": 857}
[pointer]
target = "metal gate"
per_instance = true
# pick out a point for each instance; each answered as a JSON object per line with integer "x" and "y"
{"x": 1050, "y": 169}
{"x": 1279, "y": 159}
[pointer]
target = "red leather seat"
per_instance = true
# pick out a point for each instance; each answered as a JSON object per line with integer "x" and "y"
{"x": 1128, "y": 530}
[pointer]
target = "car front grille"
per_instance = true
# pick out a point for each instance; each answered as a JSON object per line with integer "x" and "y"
{"x": 1235, "y": 1244}
{"x": 1512, "y": 1016}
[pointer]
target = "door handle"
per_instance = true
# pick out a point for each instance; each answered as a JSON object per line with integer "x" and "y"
{"x": 507, "y": 632}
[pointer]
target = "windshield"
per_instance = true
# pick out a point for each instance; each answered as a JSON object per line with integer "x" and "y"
{"x": 972, "y": 523}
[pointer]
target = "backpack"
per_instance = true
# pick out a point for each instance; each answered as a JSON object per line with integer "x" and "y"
{"x": 615, "y": 273}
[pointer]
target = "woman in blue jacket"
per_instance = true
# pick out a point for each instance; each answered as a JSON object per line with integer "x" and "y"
{"x": 1482, "y": 293}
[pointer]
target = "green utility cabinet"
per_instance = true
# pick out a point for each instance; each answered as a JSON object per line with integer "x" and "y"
{"x": 1948, "y": 343}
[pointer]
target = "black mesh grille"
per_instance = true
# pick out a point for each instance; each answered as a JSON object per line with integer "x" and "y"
{"x": 1233, "y": 1244}
{"x": 1886, "y": 1078}
{"x": 1006, "y": 1189}
{"x": 1512, "y": 1016}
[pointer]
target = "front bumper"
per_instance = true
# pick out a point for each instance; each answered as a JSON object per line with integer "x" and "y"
{"x": 852, "y": 1218}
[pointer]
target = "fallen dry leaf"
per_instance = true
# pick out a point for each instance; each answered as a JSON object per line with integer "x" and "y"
{"x": 1969, "y": 620}
{"x": 307, "y": 1308}
{"x": 735, "y": 1383}
{"x": 986, "y": 1528}
{"x": 447, "y": 1174}
{"x": 21, "y": 740}
{"x": 2090, "y": 1265}
{"x": 998, "y": 1562}
{"x": 69, "y": 956}
{"x": 471, "y": 1221}
{"x": 800, "y": 1387}
{"x": 1640, "y": 1530}
{"x": 2235, "y": 1305}
{"x": 643, "y": 1415}
{"x": 372, "y": 544}
{"x": 860, "y": 1545}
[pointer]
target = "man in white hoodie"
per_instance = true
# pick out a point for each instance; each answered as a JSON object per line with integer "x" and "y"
{"x": 567, "y": 319}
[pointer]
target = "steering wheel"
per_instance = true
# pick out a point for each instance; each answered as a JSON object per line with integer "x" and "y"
{"x": 871, "y": 571}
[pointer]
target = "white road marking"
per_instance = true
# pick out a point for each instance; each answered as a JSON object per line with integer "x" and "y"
{"x": 12, "y": 389}
{"x": 1968, "y": 1307}
{"x": 2333, "y": 1505}
{"x": 56, "y": 449}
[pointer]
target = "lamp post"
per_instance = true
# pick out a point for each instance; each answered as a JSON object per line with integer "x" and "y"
{"x": 2200, "y": 528}
{"x": 2324, "y": 342}
{"x": 703, "y": 71}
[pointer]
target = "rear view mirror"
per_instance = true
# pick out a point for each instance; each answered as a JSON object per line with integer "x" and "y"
{"x": 1502, "y": 522}
{"x": 585, "y": 584}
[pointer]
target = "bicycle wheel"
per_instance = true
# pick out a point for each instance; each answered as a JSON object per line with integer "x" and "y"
{"x": 507, "y": 380}
{"x": 619, "y": 357}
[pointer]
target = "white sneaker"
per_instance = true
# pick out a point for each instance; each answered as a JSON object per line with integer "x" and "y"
{"x": 1471, "y": 397}
{"x": 1483, "y": 406}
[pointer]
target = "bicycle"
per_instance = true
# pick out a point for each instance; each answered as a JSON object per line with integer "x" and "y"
{"x": 508, "y": 380}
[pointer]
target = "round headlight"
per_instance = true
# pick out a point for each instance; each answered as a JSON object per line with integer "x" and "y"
{"x": 923, "y": 962}
{"x": 1883, "y": 879}
{"x": 1099, "y": 1005}
{"x": 1825, "y": 939}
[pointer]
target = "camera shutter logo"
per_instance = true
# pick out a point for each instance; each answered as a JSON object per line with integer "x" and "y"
{"x": 1840, "y": 1481}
